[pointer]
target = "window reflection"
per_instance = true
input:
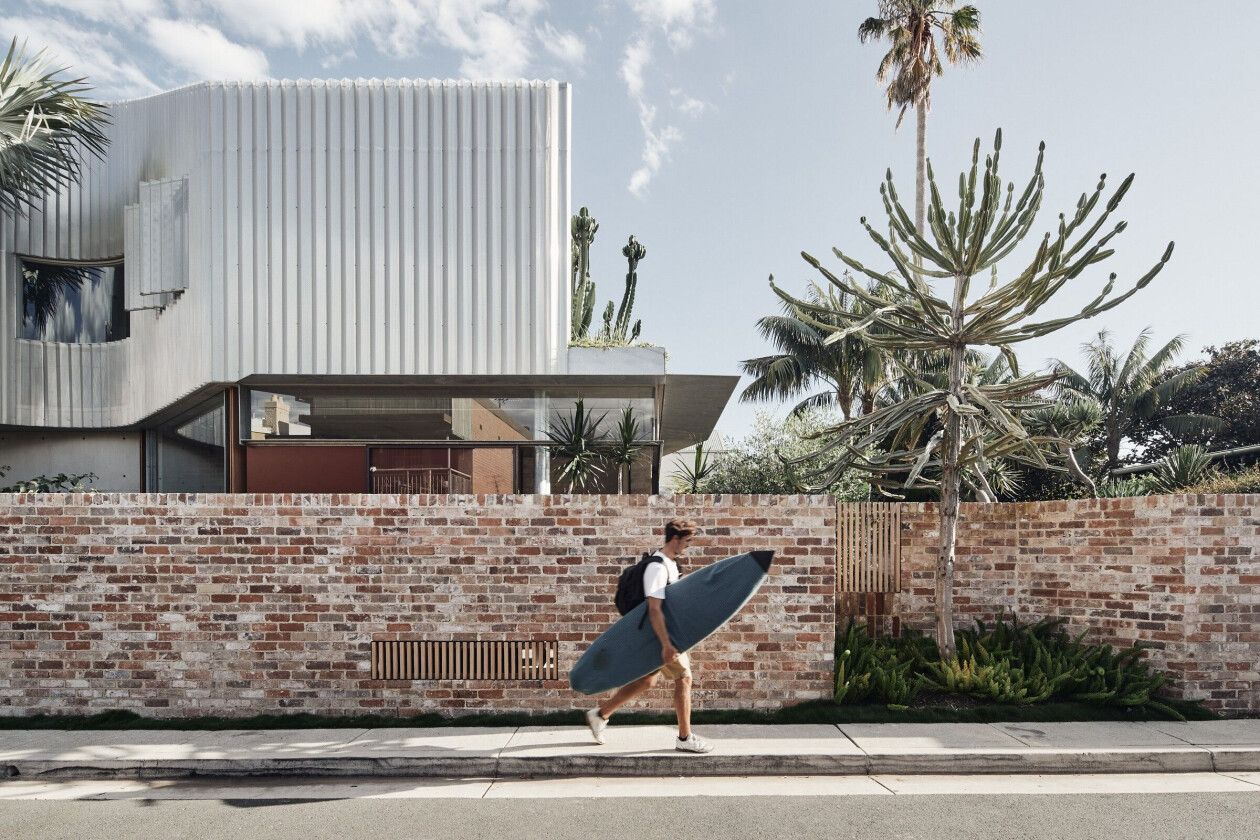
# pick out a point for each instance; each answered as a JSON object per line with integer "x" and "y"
{"x": 78, "y": 303}
{"x": 187, "y": 455}
{"x": 399, "y": 414}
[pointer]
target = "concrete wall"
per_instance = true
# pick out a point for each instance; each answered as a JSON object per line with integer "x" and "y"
{"x": 115, "y": 457}
{"x": 236, "y": 605}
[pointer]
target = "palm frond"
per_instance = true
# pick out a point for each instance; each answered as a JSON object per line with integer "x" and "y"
{"x": 47, "y": 125}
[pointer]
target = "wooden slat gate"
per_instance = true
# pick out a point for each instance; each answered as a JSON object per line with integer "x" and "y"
{"x": 868, "y": 547}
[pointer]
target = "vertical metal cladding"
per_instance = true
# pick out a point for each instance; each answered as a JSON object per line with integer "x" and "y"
{"x": 391, "y": 228}
{"x": 334, "y": 228}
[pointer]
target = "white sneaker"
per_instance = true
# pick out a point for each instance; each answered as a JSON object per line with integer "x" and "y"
{"x": 597, "y": 725}
{"x": 693, "y": 743}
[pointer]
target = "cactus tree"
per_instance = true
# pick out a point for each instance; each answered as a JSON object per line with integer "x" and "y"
{"x": 974, "y": 422}
{"x": 619, "y": 331}
{"x": 582, "y": 301}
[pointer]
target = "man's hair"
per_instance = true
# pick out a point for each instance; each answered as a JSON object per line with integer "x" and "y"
{"x": 680, "y": 528}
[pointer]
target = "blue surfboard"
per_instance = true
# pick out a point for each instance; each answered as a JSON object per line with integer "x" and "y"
{"x": 694, "y": 607}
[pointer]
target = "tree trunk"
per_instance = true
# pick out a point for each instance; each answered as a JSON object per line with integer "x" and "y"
{"x": 1113, "y": 447}
{"x": 868, "y": 401}
{"x": 621, "y": 472}
{"x": 950, "y": 480}
{"x": 920, "y": 168}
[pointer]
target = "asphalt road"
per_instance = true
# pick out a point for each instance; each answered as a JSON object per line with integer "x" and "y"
{"x": 927, "y": 817}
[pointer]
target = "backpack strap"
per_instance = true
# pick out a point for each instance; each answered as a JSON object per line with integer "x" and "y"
{"x": 649, "y": 558}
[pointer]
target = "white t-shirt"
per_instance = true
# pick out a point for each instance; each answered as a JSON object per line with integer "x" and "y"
{"x": 659, "y": 575}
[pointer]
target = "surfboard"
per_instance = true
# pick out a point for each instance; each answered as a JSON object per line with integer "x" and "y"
{"x": 695, "y": 606}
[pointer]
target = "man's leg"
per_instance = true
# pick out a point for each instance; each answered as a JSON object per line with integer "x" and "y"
{"x": 682, "y": 705}
{"x": 597, "y": 718}
{"x": 688, "y": 741}
{"x": 627, "y": 693}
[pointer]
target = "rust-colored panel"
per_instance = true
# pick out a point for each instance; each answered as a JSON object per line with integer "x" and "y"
{"x": 306, "y": 469}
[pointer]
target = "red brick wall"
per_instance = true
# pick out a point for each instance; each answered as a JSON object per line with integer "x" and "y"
{"x": 235, "y": 605}
{"x": 1177, "y": 573}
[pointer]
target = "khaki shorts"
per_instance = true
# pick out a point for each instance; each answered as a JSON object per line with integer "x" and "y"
{"x": 678, "y": 669}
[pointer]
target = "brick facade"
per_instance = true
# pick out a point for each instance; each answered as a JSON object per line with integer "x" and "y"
{"x": 235, "y": 605}
{"x": 1178, "y": 573}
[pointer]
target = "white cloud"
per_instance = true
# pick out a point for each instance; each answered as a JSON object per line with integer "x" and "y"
{"x": 678, "y": 19}
{"x": 109, "y": 11}
{"x": 566, "y": 46}
{"x": 328, "y": 62}
{"x": 199, "y": 39}
{"x": 276, "y": 23}
{"x": 655, "y": 151}
{"x": 83, "y": 53}
{"x": 204, "y": 51}
{"x": 690, "y": 106}
{"x": 495, "y": 47}
{"x": 638, "y": 54}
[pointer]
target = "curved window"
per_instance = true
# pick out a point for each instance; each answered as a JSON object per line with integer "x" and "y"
{"x": 74, "y": 303}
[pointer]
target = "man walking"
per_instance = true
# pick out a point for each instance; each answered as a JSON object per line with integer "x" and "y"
{"x": 677, "y": 665}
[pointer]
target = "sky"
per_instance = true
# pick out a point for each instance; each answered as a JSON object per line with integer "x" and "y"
{"x": 729, "y": 136}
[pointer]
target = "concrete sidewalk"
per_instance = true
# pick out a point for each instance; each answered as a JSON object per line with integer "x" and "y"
{"x": 847, "y": 749}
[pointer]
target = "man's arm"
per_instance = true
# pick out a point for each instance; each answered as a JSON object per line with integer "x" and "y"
{"x": 657, "y": 616}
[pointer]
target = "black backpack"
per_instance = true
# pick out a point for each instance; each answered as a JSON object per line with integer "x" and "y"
{"x": 630, "y": 584}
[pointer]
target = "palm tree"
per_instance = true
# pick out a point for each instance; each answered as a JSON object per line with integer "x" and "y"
{"x": 1129, "y": 389}
{"x": 45, "y": 126}
{"x": 852, "y": 369}
{"x": 912, "y": 61}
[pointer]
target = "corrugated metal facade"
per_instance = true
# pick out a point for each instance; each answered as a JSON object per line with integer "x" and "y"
{"x": 334, "y": 228}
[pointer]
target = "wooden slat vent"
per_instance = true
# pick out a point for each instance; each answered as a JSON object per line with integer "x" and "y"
{"x": 535, "y": 659}
{"x": 869, "y": 547}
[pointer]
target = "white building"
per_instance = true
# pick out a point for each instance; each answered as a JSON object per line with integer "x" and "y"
{"x": 316, "y": 286}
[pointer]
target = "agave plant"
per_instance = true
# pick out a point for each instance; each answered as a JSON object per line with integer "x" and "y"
{"x": 1186, "y": 466}
{"x": 575, "y": 441}
{"x": 46, "y": 124}
{"x": 1123, "y": 488}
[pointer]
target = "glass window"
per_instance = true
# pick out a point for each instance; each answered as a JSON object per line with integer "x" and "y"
{"x": 322, "y": 412}
{"x": 73, "y": 303}
{"x": 188, "y": 455}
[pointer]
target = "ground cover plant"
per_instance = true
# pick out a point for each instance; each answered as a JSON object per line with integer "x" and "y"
{"x": 1007, "y": 664}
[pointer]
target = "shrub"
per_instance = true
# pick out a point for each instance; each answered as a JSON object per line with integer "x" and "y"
{"x": 1009, "y": 664}
{"x": 59, "y": 483}
{"x": 1185, "y": 466}
{"x": 1243, "y": 481}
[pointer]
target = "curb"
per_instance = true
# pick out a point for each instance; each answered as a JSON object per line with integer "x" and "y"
{"x": 1007, "y": 762}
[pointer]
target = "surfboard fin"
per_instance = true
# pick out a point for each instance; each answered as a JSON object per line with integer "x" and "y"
{"x": 763, "y": 558}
